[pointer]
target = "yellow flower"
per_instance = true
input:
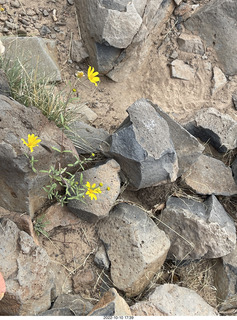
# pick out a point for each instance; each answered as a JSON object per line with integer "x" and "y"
{"x": 74, "y": 90}
{"x": 92, "y": 75}
{"x": 92, "y": 190}
{"x": 79, "y": 74}
{"x": 92, "y": 154}
{"x": 101, "y": 184}
{"x": 108, "y": 188}
{"x": 2, "y": 9}
{"x": 32, "y": 141}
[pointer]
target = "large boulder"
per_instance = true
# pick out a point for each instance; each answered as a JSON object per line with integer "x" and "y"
{"x": 21, "y": 188}
{"x": 172, "y": 300}
{"x": 143, "y": 147}
{"x": 34, "y": 54}
{"x": 25, "y": 267}
{"x": 115, "y": 32}
{"x": 197, "y": 229}
{"x": 213, "y": 22}
{"x": 135, "y": 246}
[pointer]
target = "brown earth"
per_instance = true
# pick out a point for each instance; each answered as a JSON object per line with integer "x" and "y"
{"x": 72, "y": 247}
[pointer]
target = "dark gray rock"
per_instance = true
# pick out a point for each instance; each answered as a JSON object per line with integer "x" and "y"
{"x": 44, "y": 31}
{"x": 135, "y": 246}
{"x": 197, "y": 230}
{"x": 74, "y": 302}
{"x": 78, "y": 53}
{"x": 111, "y": 304}
{"x": 86, "y": 138}
{"x": 210, "y": 176}
{"x": 226, "y": 281}
{"x": 214, "y": 127}
{"x": 143, "y": 147}
{"x": 57, "y": 312}
{"x": 187, "y": 147}
{"x": 234, "y": 169}
{"x": 213, "y": 22}
{"x": 107, "y": 174}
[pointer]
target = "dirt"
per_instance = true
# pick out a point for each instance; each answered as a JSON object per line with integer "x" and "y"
{"x": 72, "y": 247}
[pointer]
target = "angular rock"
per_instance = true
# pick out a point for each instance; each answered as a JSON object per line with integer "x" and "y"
{"x": 219, "y": 80}
{"x": 210, "y": 176}
{"x": 135, "y": 246}
{"x": 214, "y": 127}
{"x": 74, "y": 302}
{"x": 181, "y": 70}
{"x": 226, "y": 281}
{"x": 78, "y": 53}
{"x": 197, "y": 230}
{"x": 92, "y": 210}
{"x": 34, "y": 54}
{"x": 173, "y": 300}
{"x": 86, "y": 138}
{"x": 21, "y": 188}
{"x": 187, "y": 147}
{"x": 114, "y": 32}
{"x": 111, "y": 304}
{"x": 143, "y": 147}
{"x": 213, "y": 22}
{"x": 25, "y": 267}
{"x": 101, "y": 258}
{"x": 190, "y": 43}
{"x": 86, "y": 114}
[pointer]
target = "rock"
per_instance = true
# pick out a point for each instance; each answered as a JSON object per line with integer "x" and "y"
{"x": 86, "y": 138}
{"x": 57, "y": 312}
{"x": 78, "y": 53}
{"x": 2, "y": 48}
{"x": 187, "y": 147}
{"x": 197, "y": 230}
{"x": 177, "y": 2}
{"x": 173, "y": 300}
{"x": 21, "y": 188}
{"x": 190, "y": 43}
{"x": 210, "y": 176}
{"x": 213, "y": 22}
{"x": 116, "y": 34}
{"x": 44, "y": 31}
{"x": 219, "y": 80}
{"x": 234, "y": 169}
{"x": 143, "y": 147}
{"x": 86, "y": 114}
{"x": 83, "y": 280}
{"x": 101, "y": 258}
{"x": 214, "y": 127}
{"x": 4, "y": 85}
{"x": 135, "y": 246}
{"x": 11, "y": 26}
{"x": 15, "y": 4}
{"x": 25, "y": 267}
{"x": 226, "y": 281}
{"x": 111, "y": 304}
{"x": 71, "y": 2}
{"x": 45, "y": 13}
{"x": 146, "y": 308}
{"x": 181, "y": 70}
{"x": 33, "y": 53}
{"x": 234, "y": 98}
{"x": 92, "y": 210}
{"x": 183, "y": 9}
{"x": 74, "y": 302}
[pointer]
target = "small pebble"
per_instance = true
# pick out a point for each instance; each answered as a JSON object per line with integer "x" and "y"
{"x": 15, "y": 4}
{"x": 44, "y": 30}
{"x": 45, "y": 13}
{"x": 71, "y": 2}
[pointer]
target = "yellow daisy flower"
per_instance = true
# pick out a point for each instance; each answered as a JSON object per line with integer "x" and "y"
{"x": 32, "y": 141}
{"x": 92, "y": 75}
{"x": 92, "y": 190}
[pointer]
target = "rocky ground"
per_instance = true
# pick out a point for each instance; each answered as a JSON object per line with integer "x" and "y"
{"x": 71, "y": 243}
